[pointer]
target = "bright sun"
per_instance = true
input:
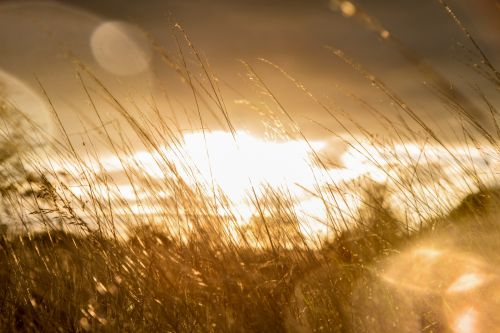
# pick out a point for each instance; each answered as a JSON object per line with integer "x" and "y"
{"x": 239, "y": 164}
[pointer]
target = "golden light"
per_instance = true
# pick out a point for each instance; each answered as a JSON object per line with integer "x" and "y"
{"x": 25, "y": 99}
{"x": 466, "y": 322}
{"x": 240, "y": 162}
{"x": 467, "y": 282}
{"x": 240, "y": 165}
{"x": 428, "y": 253}
{"x": 347, "y": 8}
{"x": 120, "y": 48}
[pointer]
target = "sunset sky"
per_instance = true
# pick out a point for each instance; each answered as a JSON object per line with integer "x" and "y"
{"x": 291, "y": 34}
{"x": 250, "y": 166}
{"x": 40, "y": 39}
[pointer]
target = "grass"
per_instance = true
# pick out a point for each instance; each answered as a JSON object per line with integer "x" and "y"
{"x": 90, "y": 262}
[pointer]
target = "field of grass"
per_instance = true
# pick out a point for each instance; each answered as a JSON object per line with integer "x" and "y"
{"x": 59, "y": 281}
{"x": 76, "y": 262}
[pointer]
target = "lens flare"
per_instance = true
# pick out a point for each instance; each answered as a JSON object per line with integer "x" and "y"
{"x": 120, "y": 48}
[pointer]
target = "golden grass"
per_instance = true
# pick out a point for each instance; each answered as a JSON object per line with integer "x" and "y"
{"x": 90, "y": 262}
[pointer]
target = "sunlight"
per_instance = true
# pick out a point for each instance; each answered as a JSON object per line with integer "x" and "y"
{"x": 466, "y": 322}
{"x": 17, "y": 93}
{"x": 466, "y": 282}
{"x": 120, "y": 48}
{"x": 238, "y": 163}
{"x": 249, "y": 166}
{"x": 428, "y": 253}
{"x": 366, "y": 160}
{"x": 241, "y": 166}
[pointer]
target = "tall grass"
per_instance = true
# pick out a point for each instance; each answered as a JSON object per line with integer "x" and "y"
{"x": 179, "y": 259}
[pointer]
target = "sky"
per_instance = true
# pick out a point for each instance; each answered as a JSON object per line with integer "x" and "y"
{"x": 121, "y": 44}
{"x": 294, "y": 35}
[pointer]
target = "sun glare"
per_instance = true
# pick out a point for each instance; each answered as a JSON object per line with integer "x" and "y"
{"x": 240, "y": 162}
{"x": 249, "y": 166}
{"x": 466, "y": 322}
{"x": 240, "y": 166}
